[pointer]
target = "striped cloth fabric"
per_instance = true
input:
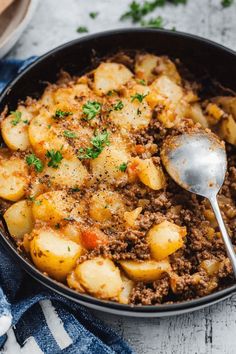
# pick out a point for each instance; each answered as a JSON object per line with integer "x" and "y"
{"x": 41, "y": 321}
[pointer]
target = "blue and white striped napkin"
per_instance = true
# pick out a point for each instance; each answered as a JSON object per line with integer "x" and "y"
{"x": 40, "y": 320}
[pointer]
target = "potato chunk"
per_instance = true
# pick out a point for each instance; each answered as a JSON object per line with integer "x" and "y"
{"x": 52, "y": 206}
{"x": 164, "y": 239}
{"x": 167, "y": 88}
{"x": 44, "y": 136}
{"x": 196, "y": 114}
{"x": 106, "y": 166}
{"x": 150, "y": 175}
{"x": 53, "y": 254}
{"x": 127, "y": 287}
{"x": 70, "y": 173}
{"x": 104, "y": 204}
{"x": 100, "y": 277}
{"x": 227, "y": 130}
{"x": 110, "y": 76}
{"x": 227, "y": 103}
{"x": 211, "y": 266}
{"x": 130, "y": 217}
{"x": 16, "y": 135}
{"x": 13, "y": 180}
{"x": 19, "y": 219}
{"x": 134, "y": 115}
{"x": 145, "y": 271}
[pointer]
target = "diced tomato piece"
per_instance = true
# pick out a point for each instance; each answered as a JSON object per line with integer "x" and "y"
{"x": 140, "y": 149}
{"x": 92, "y": 238}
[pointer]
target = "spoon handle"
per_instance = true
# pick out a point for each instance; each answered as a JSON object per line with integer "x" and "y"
{"x": 224, "y": 232}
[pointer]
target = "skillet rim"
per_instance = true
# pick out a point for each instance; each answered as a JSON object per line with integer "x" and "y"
{"x": 157, "y": 310}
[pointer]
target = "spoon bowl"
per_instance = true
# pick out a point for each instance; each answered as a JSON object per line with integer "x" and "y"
{"x": 197, "y": 162}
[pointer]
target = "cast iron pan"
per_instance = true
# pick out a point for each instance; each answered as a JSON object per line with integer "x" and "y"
{"x": 202, "y": 57}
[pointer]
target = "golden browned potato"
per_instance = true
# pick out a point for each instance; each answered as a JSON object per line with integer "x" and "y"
{"x": 53, "y": 254}
{"x": 52, "y": 206}
{"x": 228, "y": 104}
{"x": 168, "y": 89}
{"x": 196, "y": 114}
{"x": 130, "y": 217}
{"x": 106, "y": 167}
{"x": 104, "y": 204}
{"x": 150, "y": 174}
{"x": 70, "y": 173}
{"x": 211, "y": 266}
{"x": 145, "y": 270}
{"x": 149, "y": 66}
{"x": 110, "y": 76}
{"x": 227, "y": 130}
{"x": 164, "y": 239}
{"x": 100, "y": 277}
{"x": 13, "y": 178}
{"x": 19, "y": 219}
{"x": 134, "y": 114}
{"x": 14, "y": 129}
{"x": 127, "y": 287}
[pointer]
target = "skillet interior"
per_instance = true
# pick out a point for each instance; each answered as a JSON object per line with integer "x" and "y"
{"x": 203, "y": 58}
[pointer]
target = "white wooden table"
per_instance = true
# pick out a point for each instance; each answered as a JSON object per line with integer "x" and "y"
{"x": 213, "y": 330}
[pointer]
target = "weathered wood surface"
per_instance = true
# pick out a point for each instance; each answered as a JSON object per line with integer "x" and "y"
{"x": 212, "y": 330}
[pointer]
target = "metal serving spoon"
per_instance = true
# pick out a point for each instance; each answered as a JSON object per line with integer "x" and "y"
{"x": 197, "y": 162}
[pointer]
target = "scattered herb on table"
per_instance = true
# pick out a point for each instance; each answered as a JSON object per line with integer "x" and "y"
{"x": 17, "y": 117}
{"x": 54, "y": 157}
{"x": 91, "y": 109}
{"x": 138, "y": 10}
{"x": 227, "y": 3}
{"x": 33, "y": 160}
{"x": 93, "y": 15}
{"x": 82, "y": 29}
{"x": 98, "y": 141}
{"x": 59, "y": 114}
{"x": 138, "y": 96}
{"x": 153, "y": 22}
{"x": 69, "y": 134}
{"x": 118, "y": 106}
{"x": 123, "y": 167}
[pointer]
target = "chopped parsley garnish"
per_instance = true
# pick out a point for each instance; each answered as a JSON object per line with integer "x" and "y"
{"x": 54, "y": 157}
{"x": 31, "y": 198}
{"x": 68, "y": 248}
{"x": 138, "y": 96}
{"x": 35, "y": 161}
{"x": 49, "y": 126}
{"x": 17, "y": 117}
{"x": 57, "y": 226}
{"x": 227, "y": 3}
{"x": 82, "y": 29}
{"x": 59, "y": 114}
{"x": 69, "y": 134}
{"x": 138, "y": 10}
{"x": 142, "y": 82}
{"x": 118, "y": 106}
{"x": 111, "y": 93}
{"x": 26, "y": 121}
{"x": 75, "y": 189}
{"x": 91, "y": 109}
{"x": 153, "y": 22}
{"x": 123, "y": 167}
{"x": 93, "y": 14}
{"x": 38, "y": 202}
{"x": 98, "y": 141}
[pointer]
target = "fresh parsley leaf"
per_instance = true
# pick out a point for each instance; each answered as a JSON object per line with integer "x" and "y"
{"x": 98, "y": 141}
{"x": 59, "y": 114}
{"x": 69, "y": 134}
{"x": 153, "y": 22}
{"x": 227, "y": 3}
{"x": 123, "y": 167}
{"x": 138, "y": 10}
{"x": 82, "y": 29}
{"x": 35, "y": 161}
{"x": 91, "y": 109}
{"x": 138, "y": 96}
{"x": 54, "y": 157}
{"x": 118, "y": 106}
{"x": 142, "y": 82}
{"x": 93, "y": 14}
{"x": 17, "y": 117}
